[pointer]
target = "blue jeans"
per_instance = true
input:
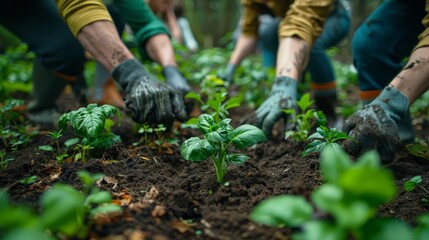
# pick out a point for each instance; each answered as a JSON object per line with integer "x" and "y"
{"x": 320, "y": 67}
{"x": 383, "y": 41}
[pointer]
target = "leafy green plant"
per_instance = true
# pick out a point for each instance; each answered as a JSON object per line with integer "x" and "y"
{"x": 7, "y": 115}
{"x": 414, "y": 182}
{"x": 64, "y": 212}
{"x": 4, "y": 161}
{"x": 93, "y": 125}
{"x": 344, "y": 207}
{"x": 218, "y": 137}
{"x": 418, "y": 150}
{"x": 82, "y": 152}
{"x": 29, "y": 180}
{"x": 304, "y": 121}
{"x": 59, "y": 153}
{"x": 322, "y": 137}
{"x": 146, "y": 130}
{"x": 213, "y": 99}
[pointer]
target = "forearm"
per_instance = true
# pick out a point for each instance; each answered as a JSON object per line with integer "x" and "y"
{"x": 160, "y": 50}
{"x": 245, "y": 45}
{"x": 413, "y": 80}
{"x": 102, "y": 41}
{"x": 172, "y": 24}
{"x": 292, "y": 57}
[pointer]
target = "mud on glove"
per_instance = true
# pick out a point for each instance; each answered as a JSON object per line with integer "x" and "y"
{"x": 148, "y": 100}
{"x": 376, "y": 125}
{"x": 283, "y": 96}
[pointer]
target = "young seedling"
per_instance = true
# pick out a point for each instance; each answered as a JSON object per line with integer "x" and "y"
{"x": 160, "y": 139}
{"x": 93, "y": 125}
{"x": 344, "y": 207}
{"x": 322, "y": 137}
{"x": 59, "y": 153}
{"x": 218, "y": 137}
{"x": 82, "y": 152}
{"x": 414, "y": 182}
{"x": 4, "y": 162}
{"x": 418, "y": 150}
{"x": 146, "y": 130}
{"x": 304, "y": 121}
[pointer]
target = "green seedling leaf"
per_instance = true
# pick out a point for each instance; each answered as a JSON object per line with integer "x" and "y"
{"x": 234, "y": 102}
{"x": 321, "y": 230}
{"x": 46, "y": 148}
{"x": 28, "y": 180}
{"x": 196, "y": 149}
{"x": 103, "y": 209}
{"x": 282, "y": 210}
{"x": 386, "y": 229}
{"x": 333, "y": 163}
{"x": 206, "y": 123}
{"x": 236, "y": 158}
{"x": 99, "y": 198}
{"x": 418, "y": 150}
{"x": 327, "y": 197}
{"x": 247, "y": 135}
{"x": 411, "y": 184}
{"x": 194, "y": 95}
{"x": 71, "y": 142}
{"x": 305, "y": 102}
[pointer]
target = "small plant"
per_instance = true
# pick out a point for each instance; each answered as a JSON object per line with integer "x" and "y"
{"x": 7, "y": 115}
{"x": 213, "y": 99}
{"x": 218, "y": 137}
{"x": 322, "y": 137}
{"x": 82, "y": 152}
{"x": 93, "y": 125}
{"x": 4, "y": 162}
{"x": 418, "y": 150}
{"x": 64, "y": 212}
{"x": 160, "y": 139}
{"x": 305, "y": 121}
{"x": 344, "y": 207}
{"x": 60, "y": 154}
{"x": 146, "y": 130}
{"x": 414, "y": 182}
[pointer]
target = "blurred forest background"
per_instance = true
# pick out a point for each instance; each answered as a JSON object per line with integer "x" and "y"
{"x": 212, "y": 21}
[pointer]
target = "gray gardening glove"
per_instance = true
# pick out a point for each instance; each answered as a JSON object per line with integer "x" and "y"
{"x": 283, "y": 96}
{"x": 175, "y": 79}
{"x": 148, "y": 100}
{"x": 376, "y": 125}
{"x": 228, "y": 76}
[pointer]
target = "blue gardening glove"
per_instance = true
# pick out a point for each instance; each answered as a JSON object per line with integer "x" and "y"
{"x": 228, "y": 75}
{"x": 148, "y": 100}
{"x": 376, "y": 125}
{"x": 175, "y": 79}
{"x": 283, "y": 96}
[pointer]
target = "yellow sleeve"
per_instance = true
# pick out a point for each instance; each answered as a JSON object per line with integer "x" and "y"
{"x": 79, "y": 13}
{"x": 424, "y": 36}
{"x": 250, "y": 20}
{"x": 305, "y": 19}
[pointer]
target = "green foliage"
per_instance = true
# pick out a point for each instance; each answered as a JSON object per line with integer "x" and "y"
{"x": 218, "y": 137}
{"x": 59, "y": 153}
{"x": 93, "y": 124}
{"x": 4, "y": 160}
{"x": 213, "y": 98}
{"x": 418, "y": 150}
{"x": 350, "y": 196}
{"x": 414, "y": 182}
{"x": 322, "y": 137}
{"x": 64, "y": 212}
{"x": 303, "y": 121}
{"x": 29, "y": 180}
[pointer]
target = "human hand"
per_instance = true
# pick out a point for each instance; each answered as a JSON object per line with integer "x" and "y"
{"x": 228, "y": 75}
{"x": 282, "y": 96}
{"x": 376, "y": 125}
{"x": 176, "y": 80}
{"x": 148, "y": 100}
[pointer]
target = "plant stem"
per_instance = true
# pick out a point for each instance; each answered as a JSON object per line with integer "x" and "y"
{"x": 424, "y": 189}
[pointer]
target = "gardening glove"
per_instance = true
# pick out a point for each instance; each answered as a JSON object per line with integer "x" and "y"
{"x": 228, "y": 76}
{"x": 283, "y": 96}
{"x": 376, "y": 125}
{"x": 47, "y": 87}
{"x": 148, "y": 100}
{"x": 175, "y": 79}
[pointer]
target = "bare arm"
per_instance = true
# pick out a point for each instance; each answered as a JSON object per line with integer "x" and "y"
{"x": 292, "y": 57}
{"x": 245, "y": 45}
{"x": 102, "y": 41}
{"x": 172, "y": 24}
{"x": 413, "y": 80}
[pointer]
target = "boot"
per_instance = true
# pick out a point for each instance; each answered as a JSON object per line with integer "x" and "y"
{"x": 327, "y": 104}
{"x": 105, "y": 90}
{"x": 47, "y": 87}
{"x": 80, "y": 89}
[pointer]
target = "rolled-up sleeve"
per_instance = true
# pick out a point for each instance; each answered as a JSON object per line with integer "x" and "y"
{"x": 79, "y": 13}
{"x": 305, "y": 19}
{"x": 424, "y": 36}
{"x": 250, "y": 20}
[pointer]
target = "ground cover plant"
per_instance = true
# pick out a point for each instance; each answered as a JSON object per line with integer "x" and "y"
{"x": 161, "y": 195}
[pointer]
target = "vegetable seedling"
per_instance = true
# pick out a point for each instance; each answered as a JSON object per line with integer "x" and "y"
{"x": 58, "y": 153}
{"x": 322, "y": 137}
{"x": 414, "y": 182}
{"x": 304, "y": 121}
{"x": 218, "y": 137}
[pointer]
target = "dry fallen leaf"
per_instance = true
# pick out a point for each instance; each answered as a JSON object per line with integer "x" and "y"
{"x": 109, "y": 180}
{"x": 151, "y": 195}
{"x": 180, "y": 226}
{"x": 122, "y": 199}
{"x": 158, "y": 211}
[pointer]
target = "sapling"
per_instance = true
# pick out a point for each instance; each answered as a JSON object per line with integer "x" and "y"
{"x": 414, "y": 182}
{"x": 218, "y": 137}
{"x": 322, "y": 137}
{"x": 59, "y": 153}
{"x": 146, "y": 130}
{"x": 304, "y": 121}
{"x": 93, "y": 125}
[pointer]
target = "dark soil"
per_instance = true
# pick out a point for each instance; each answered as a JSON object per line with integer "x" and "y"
{"x": 166, "y": 197}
